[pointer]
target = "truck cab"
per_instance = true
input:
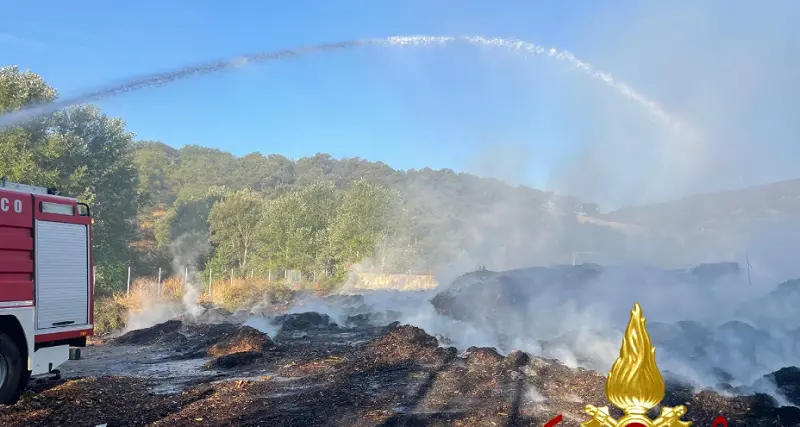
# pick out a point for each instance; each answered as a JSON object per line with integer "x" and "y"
{"x": 46, "y": 282}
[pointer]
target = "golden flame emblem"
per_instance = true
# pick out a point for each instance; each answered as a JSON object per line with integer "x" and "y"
{"x": 635, "y": 385}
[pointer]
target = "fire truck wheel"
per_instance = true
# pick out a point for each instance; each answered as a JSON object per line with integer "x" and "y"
{"x": 11, "y": 370}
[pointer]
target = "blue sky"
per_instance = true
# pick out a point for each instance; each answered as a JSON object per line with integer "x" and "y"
{"x": 407, "y": 107}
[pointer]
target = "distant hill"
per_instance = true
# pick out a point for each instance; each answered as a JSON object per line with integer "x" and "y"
{"x": 723, "y": 211}
{"x": 720, "y": 225}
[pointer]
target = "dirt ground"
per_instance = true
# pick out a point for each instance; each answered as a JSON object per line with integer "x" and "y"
{"x": 316, "y": 373}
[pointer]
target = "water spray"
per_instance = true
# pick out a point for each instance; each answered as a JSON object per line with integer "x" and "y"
{"x": 513, "y": 45}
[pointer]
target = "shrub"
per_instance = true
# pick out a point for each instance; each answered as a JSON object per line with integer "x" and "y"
{"x": 229, "y": 294}
{"x": 245, "y": 292}
{"x": 109, "y": 314}
{"x": 172, "y": 288}
{"x": 278, "y": 292}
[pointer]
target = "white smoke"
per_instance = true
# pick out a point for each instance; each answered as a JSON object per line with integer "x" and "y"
{"x": 698, "y": 325}
{"x": 153, "y": 311}
{"x": 186, "y": 250}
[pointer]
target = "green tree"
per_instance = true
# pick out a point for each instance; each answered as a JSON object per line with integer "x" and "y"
{"x": 93, "y": 156}
{"x": 83, "y": 153}
{"x": 294, "y": 231}
{"x": 186, "y": 216}
{"x": 19, "y": 89}
{"x": 314, "y": 169}
{"x": 233, "y": 223}
{"x": 18, "y": 159}
{"x": 270, "y": 175}
{"x": 361, "y": 221}
{"x": 200, "y": 168}
{"x": 156, "y": 162}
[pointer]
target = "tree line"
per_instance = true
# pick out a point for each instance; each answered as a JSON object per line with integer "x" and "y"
{"x": 83, "y": 153}
{"x": 318, "y": 229}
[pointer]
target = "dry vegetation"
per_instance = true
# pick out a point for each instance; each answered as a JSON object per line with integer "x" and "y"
{"x": 244, "y": 339}
{"x": 111, "y": 313}
{"x": 399, "y": 282}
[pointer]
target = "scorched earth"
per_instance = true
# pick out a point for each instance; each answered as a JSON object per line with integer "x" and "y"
{"x": 317, "y": 373}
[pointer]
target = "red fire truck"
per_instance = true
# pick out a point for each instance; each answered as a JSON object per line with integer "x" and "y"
{"x": 46, "y": 283}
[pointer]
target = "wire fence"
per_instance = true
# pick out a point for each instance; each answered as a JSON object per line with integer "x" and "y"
{"x": 294, "y": 279}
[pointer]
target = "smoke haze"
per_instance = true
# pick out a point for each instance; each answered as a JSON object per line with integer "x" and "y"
{"x": 729, "y": 76}
{"x": 727, "y": 69}
{"x": 725, "y": 78}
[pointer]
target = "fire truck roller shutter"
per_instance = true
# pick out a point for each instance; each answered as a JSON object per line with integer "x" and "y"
{"x": 62, "y": 275}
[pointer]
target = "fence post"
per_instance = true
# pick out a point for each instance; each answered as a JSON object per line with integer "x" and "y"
{"x": 251, "y": 273}
{"x": 160, "y": 289}
{"x": 231, "y": 277}
{"x": 269, "y": 275}
{"x": 185, "y": 276}
{"x": 129, "y": 282}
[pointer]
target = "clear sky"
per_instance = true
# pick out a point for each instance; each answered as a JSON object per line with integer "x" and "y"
{"x": 528, "y": 120}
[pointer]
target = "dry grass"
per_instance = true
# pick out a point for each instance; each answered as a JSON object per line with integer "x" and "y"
{"x": 111, "y": 313}
{"x": 173, "y": 288}
{"x": 243, "y": 292}
{"x": 399, "y": 282}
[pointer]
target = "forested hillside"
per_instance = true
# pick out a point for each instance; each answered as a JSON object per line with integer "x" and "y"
{"x": 160, "y": 207}
{"x": 416, "y": 220}
{"x": 734, "y": 210}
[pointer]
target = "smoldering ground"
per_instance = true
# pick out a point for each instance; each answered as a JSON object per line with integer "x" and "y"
{"x": 317, "y": 373}
{"x": 577, "y": 314}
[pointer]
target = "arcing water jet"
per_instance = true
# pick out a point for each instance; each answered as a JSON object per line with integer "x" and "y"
{"x": 512, "y": 45}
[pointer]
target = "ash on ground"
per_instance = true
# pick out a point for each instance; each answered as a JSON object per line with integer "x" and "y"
{"x": 358, "y": 369}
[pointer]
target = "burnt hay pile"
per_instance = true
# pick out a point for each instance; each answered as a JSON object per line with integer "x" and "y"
{"x": 565, "y": 307}
{"x": 317, "y": 372}
{"x": 167, "y": 332}
{"x": 227, "y": 344}
{"x": 399, "y": 375}
{"x": 303, "y": 321}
